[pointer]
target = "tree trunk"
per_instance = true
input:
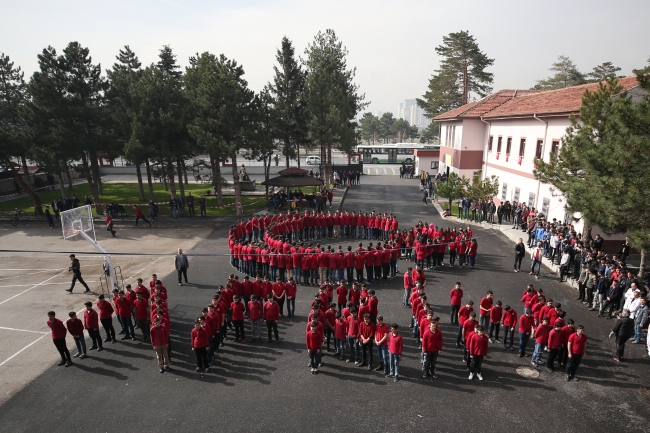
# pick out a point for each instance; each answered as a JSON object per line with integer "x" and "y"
{"x": 297, "y": 155}
{"x": 91, "y": 184}
{"x": 97, "y": 177}
{"x": 216, "y": 180}
{"x": 642, "y": 266}
{"x": 138, "y": 173}
{"x": 185, "y": 172}
{"x": 287, "y": 146}
{"x": 38, "y": 207}
{"x": 239, "y": 209}
{"x": 179, "y": 170}
{"x": 170, "y": 173}
{"x": 586, "y": 232}
{"x": 149, "y": 181}
{"x": 26, "y": 180}
{"x": 62, "y": 185}
{"x": 67, "y": 173}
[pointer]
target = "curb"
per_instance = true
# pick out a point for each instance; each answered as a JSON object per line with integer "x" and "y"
{"x": 345, "y": 193}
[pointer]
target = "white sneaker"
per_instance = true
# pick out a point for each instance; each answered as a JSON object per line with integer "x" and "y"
{"x": 479, "y": 376}
{"x": 471, "y": 376}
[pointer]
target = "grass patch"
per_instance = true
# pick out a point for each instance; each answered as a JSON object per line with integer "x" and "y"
{"x": 127, "y": 193}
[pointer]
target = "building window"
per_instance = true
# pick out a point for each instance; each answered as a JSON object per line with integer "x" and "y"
{"x": 515, "y": 198}
{"x": 490, "y": 144}
{"x": 434, "y": 165}
{"x": 531, "y": 200}
{"x": 504, "y": 191}
{"x": 509, "y": 145}
{"x": 555, "y": 148}
{"x": 499, "y": 141}
{"x": 545, "y": 204}
{"x": 522, "y": 147}
{"x": 538, "y": 151}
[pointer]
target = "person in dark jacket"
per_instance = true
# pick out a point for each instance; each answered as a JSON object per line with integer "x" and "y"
{"x": 613, "y": 295}
{"x": 75, "y": 268}
{"x": 623, "y": 330}
{"x": 520, "y": 252}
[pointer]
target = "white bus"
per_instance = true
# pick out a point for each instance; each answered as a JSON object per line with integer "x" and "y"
{"x": 391, "y": 153}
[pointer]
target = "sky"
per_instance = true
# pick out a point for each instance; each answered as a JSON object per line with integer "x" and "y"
{"x": 390, "y": 43}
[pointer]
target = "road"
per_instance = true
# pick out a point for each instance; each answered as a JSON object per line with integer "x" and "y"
{"x": 274, "y": 378}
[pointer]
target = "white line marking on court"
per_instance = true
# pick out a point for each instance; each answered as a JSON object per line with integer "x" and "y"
{"x": 31, "y": 273}
{"x": 392, "y": 170}
{"x": 33, "y": 287}
{"x": 136, "y": 274}
{"x": 56, "y": 269}
{"x": 22, "y": 350}
{"x": 23, "y": 330}
{"x": 27, "y": 285}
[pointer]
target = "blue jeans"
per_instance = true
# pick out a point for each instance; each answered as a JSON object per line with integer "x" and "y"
{"x": 523, "y": 342}
{"x": 341, "y": 274}
{"x": 256, "y": 234}
{"x": 394, "y": 364}
{"x": 339, "y": 346}
{"x": 314, "y": 357}
{"x": 466, "y": 213}
{"x": 119, "y": 320}
{"x": 128, "y": 327}
{"x": 638, "y": 331}
{"x": 371, "y": 232}
{"x": 537, "y": 263}
{"x": 81, "y": 344}
{"x": 175, "y": 213}
{"x": 355, "y": 354}
{"x": 472, "y": 260}
{"x": 297, "y": 274}
{"x": 359, "y": 231}
{"x": 382, "y": 354}
{"x": 537, "y": 354}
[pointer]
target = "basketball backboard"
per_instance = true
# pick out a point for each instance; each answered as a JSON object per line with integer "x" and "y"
{"x": 77, "y": 220}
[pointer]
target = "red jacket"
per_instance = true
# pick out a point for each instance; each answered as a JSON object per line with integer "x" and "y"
{"x": 254, "y": 310}
{"x": 510, "y": 318}
{"x": 340, "y": 328}
{"x": 408, "y": 281}
{"x": 526, "y": 323}
{"x": 468, "y": 327}
{"x": 353, "y": 327}
{"x": 200, "y": 338}
{"x": 555, "y": 339}
{"x": 380, "y": 332}
{"x": 91, "y": 319}
{"x": 432, "y": 342}
{"x": 541, "y": 333}
{"x": 58, "y": 329}
{"x": 159, "y": 336}
{"x": 478, "y": 345}
{"x": 75, "y": 327}
{"x": 372, "y": 304}
{"x": 314, "y": 340}
{"x": 395, "y": 344}
{"x": 238, "y": 309}
{"x": 271, "y": 311}
{"x": 123, "y": 307}
{"x": 105, "y": 309}
{"x": 495, "y": 314}
{"x": 456, "y": 296}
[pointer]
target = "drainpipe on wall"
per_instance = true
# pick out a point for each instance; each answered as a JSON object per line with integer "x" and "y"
{"x": 539, "y": 182}
{"x": 486, "y": 146}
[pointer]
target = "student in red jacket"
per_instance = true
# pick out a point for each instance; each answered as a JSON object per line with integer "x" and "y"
{"x": 541, "y": 340}
{"x": 456, "y": 296}
{"x": 123, "y": 308}
{"x": 238, "y": 309}
{"x": 58, "y": 338}
{"x": 353, "y": 337}
{"x": 567, "y": 331}
{"x": 314, "y": 343}
{"x": 271, "y": 317}
{"x": 576, "y": 350}
{"x": 555, "y": 341}
{"x": 140, "y": 216}
{"x": 255, "y": 316}
{"x": 76, "y": 329}
{"x": 496, "y": 312}
{"x": 106, "y": 317}
{"x": 381, "y": 340}
{"x": 91, "y": 323}
{"x": 200, "y": 340}
{"x": 142, "y": 314}
{"x": 395, "y": 347}
{"x": 484, "y": 309}
{"x": 431, "y": 346}
{"x": 478, "y": 349}
{"x": 408, "y": 286}
{"x": 366, "y": 337}
{"x": 291, "y": 291}
{"x": 340, "y": 334}
{"x": 159, "y": 341}
{"x": 526, "y": 324}
{"x": 463, "y": 315}
{"x": 509, "y": 321}
{"x": 469, "y": 328}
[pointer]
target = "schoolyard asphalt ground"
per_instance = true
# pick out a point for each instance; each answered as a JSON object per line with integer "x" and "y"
{"x": 268, "y": 387}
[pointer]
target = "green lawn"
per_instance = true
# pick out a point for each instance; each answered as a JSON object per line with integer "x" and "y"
{"x": 444, "y": 204}
{"x": 128, "y": 193}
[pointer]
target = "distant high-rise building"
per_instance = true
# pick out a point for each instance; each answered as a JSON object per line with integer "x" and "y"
{"x": 411, "y": 112}
{"x": 378, "y": 113}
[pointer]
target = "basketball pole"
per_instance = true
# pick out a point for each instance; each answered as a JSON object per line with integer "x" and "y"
{"x": 111, "y": 271}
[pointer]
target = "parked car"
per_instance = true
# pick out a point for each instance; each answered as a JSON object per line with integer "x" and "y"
{"x": 313, "y": 160}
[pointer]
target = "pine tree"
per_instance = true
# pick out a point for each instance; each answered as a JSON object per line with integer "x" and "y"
{"x": 14, "y": 140}
{"x": 462, "y": 72}
{"x": 289, "y": 105}
{"x": 566, "y": 75}
{"x": 385, "y": 128}
{"x": 333, "y": 100}
{"x": 602, "y": 166}
{"x": 601, "y": 71}
{"x": 369, "y": 127}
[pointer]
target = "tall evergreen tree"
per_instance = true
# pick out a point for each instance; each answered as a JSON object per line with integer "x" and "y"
{"x": 601, "y": 71}
{"x": 602, "y": 166}
{"x": 385, "y": 127}
{"x": 14, "y": 141}
{"x": 566, "y": 75}
{"x": 369, "y": 127}
{"x": 462, "y": 72}
{"x": 333, "y": 100}
{"x": 289, "y": 105}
